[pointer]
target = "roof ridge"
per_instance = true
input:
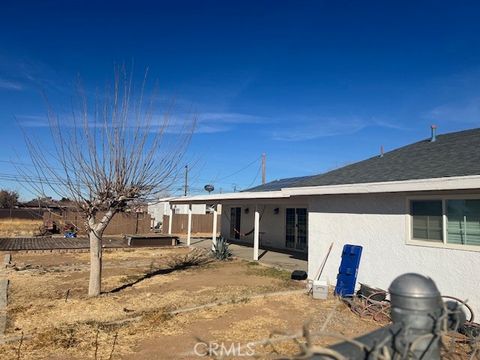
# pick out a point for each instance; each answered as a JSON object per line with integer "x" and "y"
{"x": 448, "y": 156}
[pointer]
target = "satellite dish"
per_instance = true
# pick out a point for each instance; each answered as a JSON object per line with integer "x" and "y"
{"x": 209, "y": 188}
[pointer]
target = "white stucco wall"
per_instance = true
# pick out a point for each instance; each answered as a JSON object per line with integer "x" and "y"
{"x": 379, "y": 224}
{"x": 196, "y": 209}
{"x": 158, "y": 209}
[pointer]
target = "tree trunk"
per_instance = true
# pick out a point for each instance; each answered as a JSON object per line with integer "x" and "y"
{"x": 95, "y": 284}
{"x": 95, "y": 234}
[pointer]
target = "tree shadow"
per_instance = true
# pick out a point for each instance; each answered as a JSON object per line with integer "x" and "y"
{"x": 177, "y": 264}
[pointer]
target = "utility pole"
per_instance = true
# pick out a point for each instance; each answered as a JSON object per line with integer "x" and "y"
{"x": 264, "y": 168}
{"x": 186, "y": 180}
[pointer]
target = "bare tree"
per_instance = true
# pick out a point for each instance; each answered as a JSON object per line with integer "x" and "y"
{"x": 108, "y": 155}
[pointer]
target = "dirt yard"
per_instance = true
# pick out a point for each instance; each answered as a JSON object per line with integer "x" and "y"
{"x": 135, "y": 317}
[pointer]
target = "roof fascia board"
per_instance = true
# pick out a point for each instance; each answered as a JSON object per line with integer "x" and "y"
{"x": 230, "y": 196}
{"x": 434, "y": 184}
{"x": 445, "y": 183}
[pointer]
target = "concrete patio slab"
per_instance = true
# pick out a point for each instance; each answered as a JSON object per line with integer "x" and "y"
{"x": 287, "y": 261}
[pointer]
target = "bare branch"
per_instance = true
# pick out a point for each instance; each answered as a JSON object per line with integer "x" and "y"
{"x": 109, "y": 154}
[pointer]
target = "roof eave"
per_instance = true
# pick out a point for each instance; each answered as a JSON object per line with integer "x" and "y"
{"x": 217, "y": 198}
{"x": 433, "y": 184}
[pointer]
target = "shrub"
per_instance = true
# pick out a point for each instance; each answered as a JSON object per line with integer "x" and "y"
{"x": 196, "y": 257}
{"x": 220, "y": 249}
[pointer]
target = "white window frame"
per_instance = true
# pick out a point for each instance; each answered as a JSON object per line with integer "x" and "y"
{"x": 443, "y": 245}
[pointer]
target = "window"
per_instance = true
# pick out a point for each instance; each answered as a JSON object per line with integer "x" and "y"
{"x": 449, "y": 222}
{"x": 427, "y": 223}
{"x": 463, "y": 222}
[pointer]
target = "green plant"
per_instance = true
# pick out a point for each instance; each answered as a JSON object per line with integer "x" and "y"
{"x": 220, "y": 249}
{"x": 258, "y": 270}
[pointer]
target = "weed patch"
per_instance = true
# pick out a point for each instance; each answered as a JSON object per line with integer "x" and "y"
{"x": 268, "y": 272}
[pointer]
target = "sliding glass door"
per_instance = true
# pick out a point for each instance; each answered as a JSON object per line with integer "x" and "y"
{"x": 235, "y": 219}
{"x": 296, "y": 228}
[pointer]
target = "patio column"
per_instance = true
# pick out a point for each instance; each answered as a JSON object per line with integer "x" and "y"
{"x": 214, "y": 227}
{"x": 170, "y": 221}
{"x": 256, "y": 233}
{"x": 189, "y": 225}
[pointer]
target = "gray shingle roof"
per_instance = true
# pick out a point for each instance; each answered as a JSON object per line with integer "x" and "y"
{"x": 453, "y": 154}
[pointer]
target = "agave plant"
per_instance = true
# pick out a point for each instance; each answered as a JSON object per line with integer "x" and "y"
{"x": 220, "y": 249}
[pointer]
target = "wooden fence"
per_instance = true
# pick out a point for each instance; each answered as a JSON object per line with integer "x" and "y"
{"x": 201, "y": 224}
{"x": 21, "y": 213}
{"x": 121, "y": 224}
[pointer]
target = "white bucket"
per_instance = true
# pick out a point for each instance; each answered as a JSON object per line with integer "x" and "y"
{"x": 320, "y": 289}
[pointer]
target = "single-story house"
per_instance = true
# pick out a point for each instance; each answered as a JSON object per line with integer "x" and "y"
{"x": 413, "y": 209}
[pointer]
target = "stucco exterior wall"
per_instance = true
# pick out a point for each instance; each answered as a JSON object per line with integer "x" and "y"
{"x": 159, "y": 209}
{"x": 379, "y": 224}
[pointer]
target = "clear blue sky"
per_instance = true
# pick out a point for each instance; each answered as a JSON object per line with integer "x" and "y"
{"x": 313, "y": 84}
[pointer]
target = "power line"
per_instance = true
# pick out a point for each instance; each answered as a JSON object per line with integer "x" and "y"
{"x": 25, "y": 164}
{"x": 261, "y": 167}
{"x": 16, "y": 178}
{"x": 238, "y": 171}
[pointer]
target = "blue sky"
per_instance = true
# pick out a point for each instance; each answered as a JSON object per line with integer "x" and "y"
{"x": 313, "y": 84}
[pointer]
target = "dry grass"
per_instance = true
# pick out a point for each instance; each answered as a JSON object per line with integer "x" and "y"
{"x": 138, "y": 318}
{"x": 257, "y": 269}
{"x": 59, "y": 328}
{"x": 19, "y": 227}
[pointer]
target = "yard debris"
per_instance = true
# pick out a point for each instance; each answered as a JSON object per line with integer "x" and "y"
{"x": 196, "y": 257}
{"x": 368, "y": 307}
{"x": 370, "y": 302}
{"x": 24, "y": 267}
{"x": 233, "y": 301}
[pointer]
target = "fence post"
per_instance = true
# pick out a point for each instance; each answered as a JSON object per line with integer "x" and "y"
{"x": 418, "y": 315}
{"x": 417, "y": 305}
{"x": 189, "y": 225}
{"x": 214, "y": 227}
{"x": 170, "y": 220}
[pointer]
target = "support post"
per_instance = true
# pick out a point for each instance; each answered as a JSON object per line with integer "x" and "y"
{"x": 214, "y": 227}
{"x": 170, "y": 221}
{"x": 256, "y": 233}
{"x": 189, "y": 225}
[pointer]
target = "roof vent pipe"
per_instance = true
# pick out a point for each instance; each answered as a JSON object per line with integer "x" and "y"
{"x": 381, "y": 151}
{"x": 434, "y": 133}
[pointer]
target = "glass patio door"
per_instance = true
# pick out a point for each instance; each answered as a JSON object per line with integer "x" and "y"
{"x": 235, "y": 220}
{"x": 296, "y": 228}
